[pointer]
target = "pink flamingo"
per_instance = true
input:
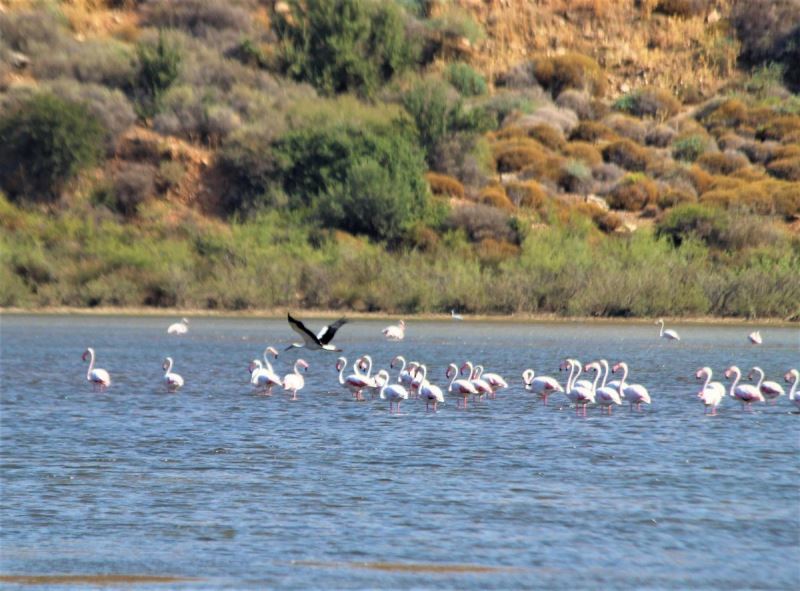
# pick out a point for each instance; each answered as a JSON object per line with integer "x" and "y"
{"x": 99, "y": 378}
{"x": 668, "y": 334}
{"x": 427, "y": 391}
{"x": 712, "y": 393}
{"x": 263, "y": 377}
{"x": 494, "y": 380}
{"x": 172, "y": 380}
{"x": 755, "y": 337}
{"x": 395, "y": 393}
{"x": 605, "y": 396}
{"x": 747, "y": 394}
{"x": 771, "y": 390}
{"x": 578, "y": 394}
{"x": 462, "y": 388}
{"x": 481, "y": 385}
{"x": 293, "y": 382}
{"x": 793, "y": 376}
{"x": 543, "y": 386}
{"x": 395, "y": 332}
{"x": 635, "y": 394}
{"x": 355, "y": 382}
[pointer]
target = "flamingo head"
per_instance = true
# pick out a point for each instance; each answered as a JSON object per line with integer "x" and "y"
{"x": 302, "y": 363}
{"x": 564, "y": 365}
{"x": 594, "y": 365}
{"x": 396, "y": 359}
{"x": 341, "y": 363}
{"x": 382, "y": 378}
{"x": 791, "y": 375}
{"x": 272, "y": 351}
{"x": 527, "y": 376}
{"x": 168, "y": 360}
{"x": 732, "y": 370}
{"x": 402, "y": 324}
{"x": 452, "y": 369}
{"x": 413, "y": 365}
{"x": 755, "y": 370}
{"x": 254, "y": 364}
{"x": 464, "y": 368}
{"x": 86, "y": 354}
{"x": 659, "y": 321}
{"x": 617, "y": 367}
{"x": 701, "y": 373}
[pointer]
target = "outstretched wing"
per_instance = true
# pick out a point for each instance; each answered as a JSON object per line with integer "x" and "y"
{"x": 326, "y": 334}
{"x": 309, "y": 338}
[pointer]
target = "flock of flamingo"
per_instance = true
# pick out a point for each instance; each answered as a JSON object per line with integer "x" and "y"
{"x": 470, "y": 380}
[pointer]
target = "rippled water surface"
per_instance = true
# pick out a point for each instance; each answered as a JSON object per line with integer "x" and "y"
{"x": 237, "y": 491}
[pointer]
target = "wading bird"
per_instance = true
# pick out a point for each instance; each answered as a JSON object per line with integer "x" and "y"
{"x": 771, "y": 390}
{"x": 99, "y": 378}
{"x": 668, "y": 334}
{"x": 542, "y": 386}
{"x": 747, "y": 394}
{"x": 712, "y": 393}
{"x": 172, "y": 381}
{"x": 793, "y": 376}
{"x": 395, "y": 332}
{"x": 181, "y": 327}
{"x": 293, "y": 382}
{"x": 755, "y": 337}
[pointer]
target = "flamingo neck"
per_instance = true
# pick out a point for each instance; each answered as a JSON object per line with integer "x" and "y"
{"x": 91, "y": 365}
{"x": 624, "y": 376}
{"x": 478, "y": 371}
{"x": 596, "y": 379}
{"x": 708, "y": 380}
{"x": 575, "y": 368}
{"x": 424, "y": 370}
{"x": 738, "y": 374}
{"x": 369, "y": 364}
{"x": 471, "y": 372}
{"x": 453, "y": 379}
{"x": 793, "y": 389}
{"x": 760, "y": 373}
{"x": 661, "y": 330}
{"x": 403, "y": 366}
{"x": 604, "y": 364}
{"x": 341, "y": 370}
{"x": 169, "y": 366}
{"x": 527, "y": 377}
{"x": 297, "y": 367}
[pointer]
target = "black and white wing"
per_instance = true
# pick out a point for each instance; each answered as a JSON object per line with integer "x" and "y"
{"x": 309, "y": 338}
{"x": 325, "y": 335}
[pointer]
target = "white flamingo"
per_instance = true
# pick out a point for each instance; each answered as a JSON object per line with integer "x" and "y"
{"x": 793, "y": 376}
{"x": 263, "y": 376}
{"x": 395, "y": 332}
{"x": 712, "y": 393}
{"x": 395, "y": 393}
{"x": 668, "y": 334}
{"x": 755, "y": 337}
{"x": 181, "y": 327}
{"x": 294, "y": 381}
{"x": 355, "y": 382}
{"x": 406, "y": 375}
{"x": 542, "y": 386}
{"x": 605, "y": 396}
{"x": 172, "y": 380}
{"x": 496, "y": 381}
{"x": 455, "y": 316}
{"x": 635, "y": 394}
{"x": 613, "y": 383}
{"x": 374, "y": 383}
{"x": 430, "y": 393}
{"x": 747, "y": 394}
{"x": 481, "y": 385}
{"x": 461, "y": 387}
{"x": 568, "y": 364}
{"x": 579, "y": 395}
{"x": 771, "y": 390}
{"x": 99, "y": 378}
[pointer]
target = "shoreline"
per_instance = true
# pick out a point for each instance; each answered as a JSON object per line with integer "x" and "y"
{"x": 317, "y": 314}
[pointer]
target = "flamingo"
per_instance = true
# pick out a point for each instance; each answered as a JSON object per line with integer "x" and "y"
{"x": 173, "y": 381}
{"x": 455, "y": 316}
{"x": 755, "y": 337}
{"x": 263, "y": 377}
{"x": 605, "y": 396}
{"x": 373, "y": 383}
{"x": 578, "y": 394}
{"x": 668, "y": 334}
{"x": 406, "y": 375}
{"x": 461, "y": 387}
{"x": 394, "y": 392}
{"x": 294, "y": 381}
{"x": 99, "y": 378}
{"x": 496, "y": 381}
{"x": 355, "y": 382}
{"x": 312, "y": 341}
{"x": 427, "y": 391}
{"x": 771, "y": 390}
{"x": 747, "y": 394}
{"x": 712, "y": 393}
{"x": 567, "y": 365}
{"x": 542, "y": 385}
{"x": 481, "y": 385}
{"x": 793, "y": 376}
{"x": 613, "y": 383}
{"x": 395, "y": 332}
{"x": 636, "y": 394}
{"x": 181, "y": 327}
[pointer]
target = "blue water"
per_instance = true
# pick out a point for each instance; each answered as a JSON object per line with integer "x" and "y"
{"x": 248, "y": 492}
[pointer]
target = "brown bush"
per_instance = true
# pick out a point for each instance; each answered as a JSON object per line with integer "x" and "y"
{"x": 779, "y": 127}
{"x": 730, "y": 141}
{"x": 633, "y": 193}
{"x": 750, "y": 174}
{"x": 493, "y": 252}
{"x": 649, "y": 102}
{"x": 746, "y": 198}
{"x": 700, "y": 179}
{"x": 495, "y": 196}
{"x": 675, "y": 196}
{"x": 441, "y": 184}
{"x": 481, "y": 222}
{"x": 787, "y": 169}
{"x": 722, "y": 162}
{"x": 592, "y": 131}
{"x": 682, "y": 8}
{"x": 729, "y": 114}
{"x": 627, "y": 154}
{"x": 725, "y": 182}
{"x": 660, "y": 136}
{"x": 575, "y": 177}
{"x": 786, "y": 198}
{"x": 583, "y": 151}
{"x": 571, "y": 70}
{"x": 529, "y": 194}
{"x": 786, "y": 151}
{"x": 547, "y": 135}
{"x": 759, "y": 152}
{"x": 608, "y": 222}
{"x": 546, "y": 169}
{"x": 514, "y": 155}
{"x": 583, "y": 104}
{"x": 627, "y": 127}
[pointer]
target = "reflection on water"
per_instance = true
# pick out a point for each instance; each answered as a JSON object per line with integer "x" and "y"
{"x": 237, "y": 491}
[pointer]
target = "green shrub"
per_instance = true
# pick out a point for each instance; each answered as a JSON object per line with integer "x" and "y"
{"x": 648, "y": 102}
{"x": 691, "y": 221}
{"x": 571, "y": 70}
{"x": 344, "y": 45}
{"x": 105, "y": 62}
{"x": 157, "y": 69}
{"x": 465, "y": 79}
{"x": 44, "y": 142}
{"x": 689, "y": 148}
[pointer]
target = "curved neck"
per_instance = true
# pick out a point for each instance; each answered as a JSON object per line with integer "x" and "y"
{"x": 403, "y": 361}
{"x": 369, "y": 364}
{"x": 760, "y": 373}
{"x": 453, "y": 379}
{"x": 624, "y": 376}
{"x": 604, "y": 364}
{"x": 91, "y": 363}
{"x": 478, "y": 371}
{"x": 738, "y": 374}
{"x": 471, "y": 369}
{"x": 574, "y": 372}
{"x": 661, "y": 330}
{"x": 297, "y": 367}
{"x": 423, "y": 370}
{"x": 168, "y": 362}
{"x": 596, "y": 379}
{"x": 341, "y": 369}
{"x": 527, "y": 377}
{"x": 267, "y": 364}
{"x": 793, "y": 389}
{"x": 708, "y": 380}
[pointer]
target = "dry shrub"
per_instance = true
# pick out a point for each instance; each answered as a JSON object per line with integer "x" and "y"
{"x": 725, "y": 182}
{"x": 675, "y": 196}
{"x": 627, "y": 154}
{"x": 551, "y": 115}
{"x": 514, "y": 155}
{"x": 728, "y": 114}
{"x": 682, "y": 8}
{"x": 700, "y": 179}
{"x": 133, "y": 184}
{"x": 583, "y": 151}
{"x": 495, "y": 196}
{"x": 571, "y": 70}
{"x": 211, "y": 20}
{"x": 779, "y": 128}
{"x": 627, "y": 127}
{"x": 442, "y": 184}
{"x": 723, "y": 162}
{"x": 608, "y": 222}
{"x": 633, "y": 193}
{"x": 423, "y": 237}
{"x": 787, "y": 169}
{"x": 592, "y": 131}
{"x": 547, "y": 169}
{"x": 481, "y": 222}
{"x": 649, "y": 102}
{"x": 786, "y": 197}
{"x": 583, "y": 104}
{"x": 575, "y": 177}
{"x": 607, "y": 172}
{"x": 787, "y": 151}
{"x": 547, "y": 135}
{"x": 660, "y": 136}
{"x": 493, "y": 252}
{"x": 730, "y": 141}
{"x": 750, "y": 174}
{"x": 528, "y": 194}
{"x": 746, "y": 198}
{"x": 759, "y": 152}
{"x": 511, "y": 132}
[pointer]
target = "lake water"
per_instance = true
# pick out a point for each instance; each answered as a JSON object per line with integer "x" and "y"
{"x": 238, "y": 491}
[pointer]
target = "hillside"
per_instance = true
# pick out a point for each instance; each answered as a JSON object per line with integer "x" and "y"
{"x": 590, "y": 157}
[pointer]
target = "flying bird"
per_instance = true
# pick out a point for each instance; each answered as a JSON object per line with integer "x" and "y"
{"x": 312, "y": 341}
